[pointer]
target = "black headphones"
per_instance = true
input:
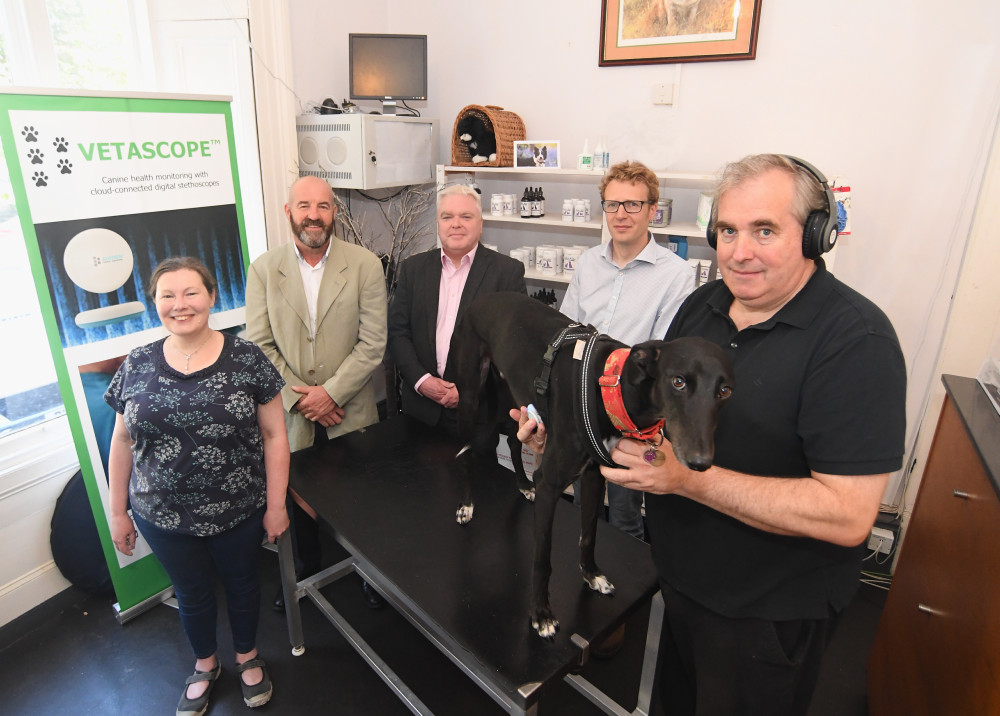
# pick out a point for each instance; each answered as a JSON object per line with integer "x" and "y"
{"x": 819, "y": 233}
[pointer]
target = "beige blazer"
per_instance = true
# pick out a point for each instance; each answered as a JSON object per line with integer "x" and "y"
{"x": 350, "y": 331}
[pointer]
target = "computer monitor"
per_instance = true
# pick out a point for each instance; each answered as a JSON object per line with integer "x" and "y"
{"x": 388, "y": 68}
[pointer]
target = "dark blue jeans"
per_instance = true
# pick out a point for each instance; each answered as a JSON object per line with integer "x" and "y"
{"x": 193, "y": 565}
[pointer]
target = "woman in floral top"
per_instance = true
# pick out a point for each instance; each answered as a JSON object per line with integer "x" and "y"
{"x": 200, "y": 448}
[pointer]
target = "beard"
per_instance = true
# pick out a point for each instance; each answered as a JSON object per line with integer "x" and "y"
{"x": 299, "y": 230}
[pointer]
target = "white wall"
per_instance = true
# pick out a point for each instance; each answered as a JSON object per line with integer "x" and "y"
{"x": 899, "y": 101}
{"x": 33, "y": 472}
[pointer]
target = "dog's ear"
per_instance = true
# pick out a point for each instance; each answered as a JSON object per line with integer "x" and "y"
{"x": 644, "y": 357}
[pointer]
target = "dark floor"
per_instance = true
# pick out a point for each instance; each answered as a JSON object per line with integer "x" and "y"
{"x": 69, "y": 656}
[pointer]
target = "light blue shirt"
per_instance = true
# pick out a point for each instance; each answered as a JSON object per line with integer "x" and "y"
{"x": 631, "y": 304}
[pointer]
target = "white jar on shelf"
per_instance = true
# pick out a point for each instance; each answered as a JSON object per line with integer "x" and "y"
{"x": 571, "y": 254}
{"x": 546, "y": 260}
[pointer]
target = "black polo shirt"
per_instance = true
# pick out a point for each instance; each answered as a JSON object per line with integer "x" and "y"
{"x": 819, "y": 386}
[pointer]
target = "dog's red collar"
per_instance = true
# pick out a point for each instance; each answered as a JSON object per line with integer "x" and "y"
{"x": 611, "y": 394}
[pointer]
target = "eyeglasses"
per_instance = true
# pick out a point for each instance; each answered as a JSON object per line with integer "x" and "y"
{"x": 631, "y": 207}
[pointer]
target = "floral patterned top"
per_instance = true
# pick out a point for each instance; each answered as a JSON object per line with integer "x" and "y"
{"x": 198, "y": 464}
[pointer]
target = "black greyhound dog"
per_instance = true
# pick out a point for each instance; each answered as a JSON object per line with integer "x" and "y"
{"x": 509, "y": 347}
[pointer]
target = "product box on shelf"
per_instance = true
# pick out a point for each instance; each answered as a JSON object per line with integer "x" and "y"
{"x": 679, "y": 245}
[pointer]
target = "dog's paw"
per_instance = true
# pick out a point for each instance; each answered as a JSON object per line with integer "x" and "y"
{"x": 529, "y": 495}
{"x": 463, "y": 515}
{"x": 465, "y": 137}
{"x": 478, "y": 159}
{"x": 493, "y": 157}
{"x": 600, "y": 583}
{"x": 544, "y": 623}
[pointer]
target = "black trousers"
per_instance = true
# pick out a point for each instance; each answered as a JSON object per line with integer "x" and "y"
{"x": 713, "y": 665}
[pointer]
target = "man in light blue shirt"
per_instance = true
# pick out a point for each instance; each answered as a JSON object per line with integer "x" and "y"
{"x": 629, "y": 289}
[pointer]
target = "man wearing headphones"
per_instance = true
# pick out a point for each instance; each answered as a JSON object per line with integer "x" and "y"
{"x": 759, "y": 554}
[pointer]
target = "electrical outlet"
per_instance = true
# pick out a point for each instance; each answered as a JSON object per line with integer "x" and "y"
{"x": 881, "y": 540}
{"x": 663, "y": 93}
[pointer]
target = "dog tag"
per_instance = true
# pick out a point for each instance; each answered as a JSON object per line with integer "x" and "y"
{"x": 654, "y": 457}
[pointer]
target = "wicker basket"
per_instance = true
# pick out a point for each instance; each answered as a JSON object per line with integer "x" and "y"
{"x": 507, "y": 127}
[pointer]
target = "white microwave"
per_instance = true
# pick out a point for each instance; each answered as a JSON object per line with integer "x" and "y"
{"x": 367, "y": 151}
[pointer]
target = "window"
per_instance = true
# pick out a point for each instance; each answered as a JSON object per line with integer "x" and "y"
{"x": 92, "y": 43}
{"x": 76, "y": 44}
{"x": 28, "y": 390}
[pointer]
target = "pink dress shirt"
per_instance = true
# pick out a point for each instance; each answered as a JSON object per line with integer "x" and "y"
{"x": 453, "y": 280}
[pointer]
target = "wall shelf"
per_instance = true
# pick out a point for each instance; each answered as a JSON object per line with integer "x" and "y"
{"x": 683, "y": 180}
{"x": 546, "y": 220}
{"x": 509, "y": 232}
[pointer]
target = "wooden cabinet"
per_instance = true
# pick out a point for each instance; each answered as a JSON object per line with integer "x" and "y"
{"x": 937, "y": 649}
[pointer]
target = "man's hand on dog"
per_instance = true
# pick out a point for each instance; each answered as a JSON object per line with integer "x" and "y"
{"x": 440, "y": 391}
{"x": 637, "y": 474}
{"x": 528, "y": 430}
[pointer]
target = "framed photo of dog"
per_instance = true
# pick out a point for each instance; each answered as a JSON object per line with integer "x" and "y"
{"x": 537, "y": 154}
{"x": 645, "y": 32}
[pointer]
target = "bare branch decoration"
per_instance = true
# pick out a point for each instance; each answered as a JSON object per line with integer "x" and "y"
{"x": 405, "y": 232}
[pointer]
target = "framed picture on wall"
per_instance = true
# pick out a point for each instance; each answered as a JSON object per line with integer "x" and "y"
{"x": 640, "y": 32}
{"x": 537, "y": 154}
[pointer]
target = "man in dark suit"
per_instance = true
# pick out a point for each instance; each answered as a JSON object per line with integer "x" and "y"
{"x": 432, "y": 293}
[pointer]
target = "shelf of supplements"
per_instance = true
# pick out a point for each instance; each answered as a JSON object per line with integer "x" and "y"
{"x": 508, "y": 232}
{"x": 683, "y": 188}
{"x": 557, "y": 184}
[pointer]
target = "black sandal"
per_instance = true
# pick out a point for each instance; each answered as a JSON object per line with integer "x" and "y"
{"x": 260, "y": 693}
{"x": 198, "y": 706}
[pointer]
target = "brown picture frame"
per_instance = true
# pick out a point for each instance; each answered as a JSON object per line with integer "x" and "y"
{"x": 646, "y": 32}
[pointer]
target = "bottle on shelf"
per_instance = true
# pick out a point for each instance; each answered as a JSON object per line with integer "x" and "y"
{"x": 525, "y": 205}
{"x": 536, "y": 203}
{"x": 585, "y": 160}
{"x": 541, "y": 201}
{"x": 598, "y": 162}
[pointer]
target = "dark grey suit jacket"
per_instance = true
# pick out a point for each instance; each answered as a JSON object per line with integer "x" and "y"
{"x": 413, "y": 316}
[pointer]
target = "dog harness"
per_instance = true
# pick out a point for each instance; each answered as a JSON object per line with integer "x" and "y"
{"x": 571, "y": 332}
{"x": 586, "y": 401}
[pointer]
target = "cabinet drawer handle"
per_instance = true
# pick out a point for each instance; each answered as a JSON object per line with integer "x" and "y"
{"x": 961, "y": 494}
{"x": 926, "y": 609}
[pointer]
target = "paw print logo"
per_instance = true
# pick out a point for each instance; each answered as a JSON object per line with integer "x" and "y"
{"x": 61, "y": 144}
{"x": 40, "y": 179}
{"x": 35, "y": 155}
{"x": 30, "y": 134}
{"x": 65, "y": 167}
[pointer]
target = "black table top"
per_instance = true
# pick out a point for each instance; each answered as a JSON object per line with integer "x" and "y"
{"x": 389, "y": 495}
{"x": 980, "y": 419}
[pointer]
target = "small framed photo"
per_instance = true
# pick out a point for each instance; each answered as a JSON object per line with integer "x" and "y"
{"x": 537, "y": 154}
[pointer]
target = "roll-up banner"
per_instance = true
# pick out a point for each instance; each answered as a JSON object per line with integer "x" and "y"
{"x": 106, "y": 187}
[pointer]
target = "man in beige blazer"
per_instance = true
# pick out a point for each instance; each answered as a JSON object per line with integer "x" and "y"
{"x": 327, "y": 348}
{"x": 317, "y": 308}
